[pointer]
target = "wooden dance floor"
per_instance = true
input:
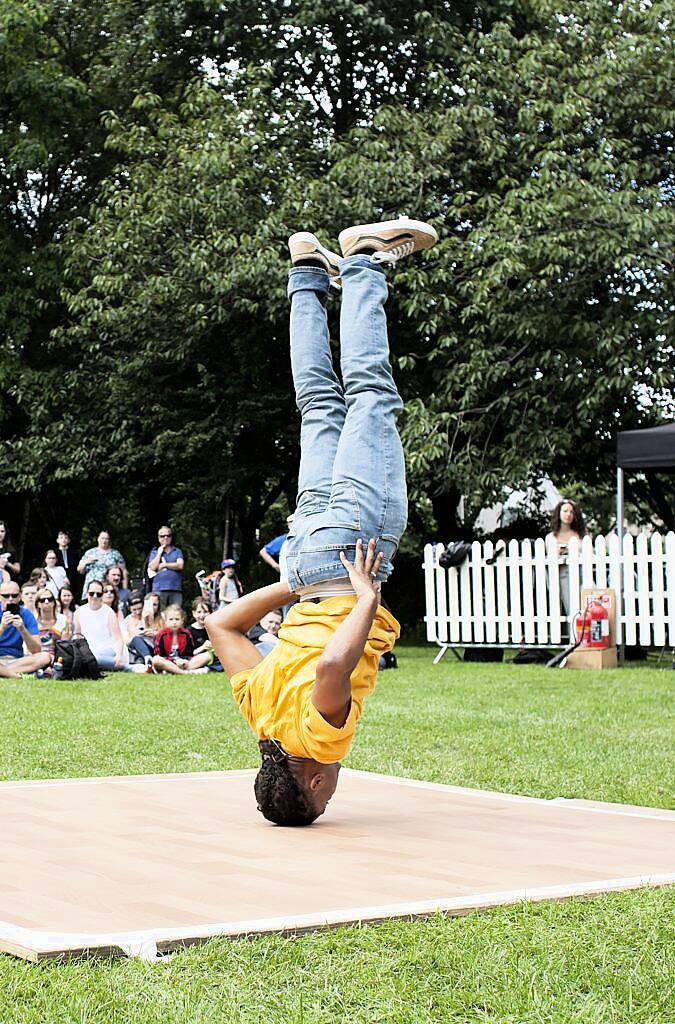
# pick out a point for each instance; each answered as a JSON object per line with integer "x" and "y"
{"x": 145, "y": 863}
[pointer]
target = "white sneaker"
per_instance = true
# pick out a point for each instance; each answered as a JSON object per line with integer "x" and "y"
{"x": 391, "y": 239}
{"x": 306, "y": 246}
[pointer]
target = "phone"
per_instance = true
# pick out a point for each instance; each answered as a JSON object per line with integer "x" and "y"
{"x": 13, "y": 607}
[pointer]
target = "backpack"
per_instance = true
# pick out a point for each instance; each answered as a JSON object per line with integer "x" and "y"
{"x": 76, "y": 658}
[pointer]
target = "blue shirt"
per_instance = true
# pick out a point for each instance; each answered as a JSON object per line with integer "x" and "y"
{"x": 11, "y": 642}
{"x": 167, "y": 579}
{"x": 274, "y": 546}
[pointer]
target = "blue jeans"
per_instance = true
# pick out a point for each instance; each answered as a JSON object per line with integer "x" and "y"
{"x": 351, "y": 481}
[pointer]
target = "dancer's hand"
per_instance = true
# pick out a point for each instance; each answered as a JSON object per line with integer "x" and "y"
{"x": 364, "y": 570}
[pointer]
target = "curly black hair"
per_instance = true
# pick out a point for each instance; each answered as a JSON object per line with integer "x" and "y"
{"x": 279, "y": 796}
{"x": 578, "y": 524}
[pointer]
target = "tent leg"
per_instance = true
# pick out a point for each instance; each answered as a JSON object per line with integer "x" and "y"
{"x": 621, "y": 650}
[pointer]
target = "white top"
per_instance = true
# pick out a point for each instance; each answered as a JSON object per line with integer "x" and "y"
{"x": 96, "y": 627}
{"x": 283, "y": 563}
{"x": 56, "y": 578}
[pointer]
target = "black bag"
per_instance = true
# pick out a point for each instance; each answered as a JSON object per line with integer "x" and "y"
{"x": 454, "y": 554}
{"x": 458, "y": 550}
{"x": 532, "y": 656}
{"x": 138, "y": 585}
{"x": 77, "y": 660}
{"x": 387, "y": 660}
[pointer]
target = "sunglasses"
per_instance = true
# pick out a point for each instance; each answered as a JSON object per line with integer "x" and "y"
{"x": 45, "y": 600}
{"x": 109, "y": 590}
{"x": 95, "y": 593}
{"x": 10, "y": 597}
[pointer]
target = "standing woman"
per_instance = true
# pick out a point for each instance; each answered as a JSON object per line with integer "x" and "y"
{"x": 567, "y": 523}
{"x": 95, "y": 562}
{"x": 8, "y": 560}
{"x": 57, "y": 576}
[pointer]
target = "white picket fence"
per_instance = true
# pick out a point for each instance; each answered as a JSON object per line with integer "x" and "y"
{"x": 516, "y": 601}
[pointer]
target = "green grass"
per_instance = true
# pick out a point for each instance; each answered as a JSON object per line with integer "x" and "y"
{"x": 527, "y": 730}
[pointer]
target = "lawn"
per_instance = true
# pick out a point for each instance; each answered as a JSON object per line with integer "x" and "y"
{"x": 525, "y": 730}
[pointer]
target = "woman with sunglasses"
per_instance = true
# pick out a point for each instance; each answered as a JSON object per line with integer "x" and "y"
{"x": 99, "y": 625}
{"x": 142, "y": 643}
{"x": 112, "y": 599}
{"x": 52, "y": 624}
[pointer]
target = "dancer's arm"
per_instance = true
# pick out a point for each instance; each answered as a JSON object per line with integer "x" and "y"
{"x": 227, "y": 627}
{"x": 332, "y": 691}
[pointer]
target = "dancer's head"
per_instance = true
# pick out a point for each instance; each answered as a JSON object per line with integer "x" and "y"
{"x": 292, "y": 790}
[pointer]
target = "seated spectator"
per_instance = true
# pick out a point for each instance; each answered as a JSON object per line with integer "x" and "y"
{"x": 8, "y": 560}
{"x": 174, "y": 649}
{"x": 52, "y": 624}
{"x": 56, "y": 574}
{"x": 267, "y": 628}
{"x": 28, "y": 595}
{"x": 133, "y": 624}
{"x": 264, "y": 633}
{"x": 99, "y": 625}
{"x": 18, "y": 626}
{"x": 200, "y": 638}
{"x": 67, "y": 605}
{"x": 115, "y": 577}
{"x": 38, "y": 577}
{"x": 229, "y": 588}
{"x": 165, "y": 569}
{"x": 95, "y": 562}
{"x": 111, "y": 598}
{"x": 143, "y": 643}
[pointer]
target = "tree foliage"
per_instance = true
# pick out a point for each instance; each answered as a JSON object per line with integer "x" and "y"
{"x": 150, "y": 306}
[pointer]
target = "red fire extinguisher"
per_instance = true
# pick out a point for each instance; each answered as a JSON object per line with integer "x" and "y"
{"x": 592, "y": 626}
{"x": 599, "y": 623}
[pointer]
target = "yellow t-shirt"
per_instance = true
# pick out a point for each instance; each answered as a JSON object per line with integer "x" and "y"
{"x": 275, "y": 696}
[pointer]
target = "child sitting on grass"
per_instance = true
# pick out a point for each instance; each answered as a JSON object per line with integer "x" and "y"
{"x": 174, "y": 647}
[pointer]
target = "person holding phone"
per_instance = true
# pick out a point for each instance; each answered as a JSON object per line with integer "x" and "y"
{"x": 567, "y": 523}
{"x": 142, "y": 642}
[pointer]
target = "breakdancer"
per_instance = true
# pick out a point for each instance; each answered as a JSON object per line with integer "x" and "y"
{"x": 304, "y": 699}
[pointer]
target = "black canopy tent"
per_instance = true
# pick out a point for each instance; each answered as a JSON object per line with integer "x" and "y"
{"x": 650, "y": 449}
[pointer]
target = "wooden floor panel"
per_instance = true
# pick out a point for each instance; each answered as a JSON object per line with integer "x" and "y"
{"x": 101, "y": 864}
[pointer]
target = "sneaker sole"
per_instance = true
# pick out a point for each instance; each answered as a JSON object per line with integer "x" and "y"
{"x": 388, "y": 233}
{"x": 304, "y": 245}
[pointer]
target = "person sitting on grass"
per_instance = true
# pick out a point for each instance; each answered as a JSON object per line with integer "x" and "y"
{"x": 18, "y": 627}
{"x": 67, "y": 606}
{"x": 197, "y": 630}
{"x": 174, "y": 649}
{"x": 265, "y": 634}
{"x": 28, "y": 597}
{"x": 304, "y": 699}
{"x": 99, "y": 625}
